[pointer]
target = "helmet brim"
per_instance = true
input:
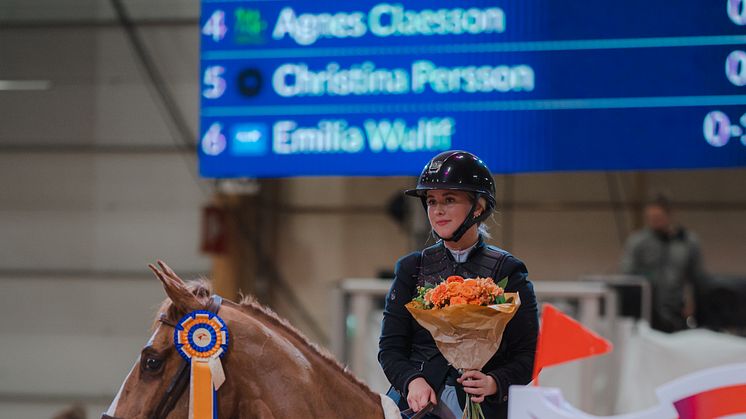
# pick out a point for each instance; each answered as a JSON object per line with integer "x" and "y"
{"x": 421, "y": 193}
{"x": 417, "y": 193}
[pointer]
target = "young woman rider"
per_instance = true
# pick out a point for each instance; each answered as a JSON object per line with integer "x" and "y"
{"x": 458, "y": 192}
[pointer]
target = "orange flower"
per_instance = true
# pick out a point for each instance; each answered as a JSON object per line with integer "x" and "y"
{"x": 438, "y": 296}
{"x": 457, "y": 290}
{"x": 454, "y": 278}
{"x": 453, "y": 287}
{"x": 429, "y": 295}
{"x": 458, "y": 300}
{"x": 470, "y": 289}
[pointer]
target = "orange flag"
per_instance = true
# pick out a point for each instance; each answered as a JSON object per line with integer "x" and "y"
{"x": 562, "y": 339}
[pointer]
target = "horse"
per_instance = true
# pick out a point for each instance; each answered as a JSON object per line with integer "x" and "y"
{"x": 271, "y": 369}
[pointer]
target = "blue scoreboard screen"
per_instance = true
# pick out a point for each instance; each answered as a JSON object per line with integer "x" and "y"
{"x": 294, "y": 88}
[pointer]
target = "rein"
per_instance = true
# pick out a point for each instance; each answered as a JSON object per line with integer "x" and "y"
{"x": 181, "y": 380}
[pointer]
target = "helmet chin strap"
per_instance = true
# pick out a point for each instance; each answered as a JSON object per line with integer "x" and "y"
{"x": 466, "y": 225}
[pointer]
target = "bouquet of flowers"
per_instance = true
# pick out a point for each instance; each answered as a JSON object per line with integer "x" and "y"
{"x": 466, "y": 318}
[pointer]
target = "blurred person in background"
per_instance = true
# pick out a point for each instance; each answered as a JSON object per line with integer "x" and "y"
{"x": 458, "y": 193}
{"x": 669, "y": 257}
{"x": 72, "y": 412}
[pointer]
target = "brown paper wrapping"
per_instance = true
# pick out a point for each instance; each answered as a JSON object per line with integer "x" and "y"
{"x": 467, "y": 335}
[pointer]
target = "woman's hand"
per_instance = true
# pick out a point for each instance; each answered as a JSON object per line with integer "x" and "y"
{"x": 477, "y": 384}
{"x": 419, "y": 393}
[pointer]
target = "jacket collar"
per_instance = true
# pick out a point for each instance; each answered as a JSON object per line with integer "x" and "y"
{"x": 473, "y": 250}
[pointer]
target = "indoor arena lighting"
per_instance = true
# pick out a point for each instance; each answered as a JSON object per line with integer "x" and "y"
{"x": 25, "y": 84}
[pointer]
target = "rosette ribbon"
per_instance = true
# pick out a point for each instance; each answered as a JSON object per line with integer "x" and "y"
{"x": 201, "y": 337}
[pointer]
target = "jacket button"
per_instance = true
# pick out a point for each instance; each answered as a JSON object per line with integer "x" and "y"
{"x": 505, "y": 398}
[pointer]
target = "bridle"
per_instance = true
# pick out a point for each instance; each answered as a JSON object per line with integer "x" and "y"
{"x": 181, "y": 379}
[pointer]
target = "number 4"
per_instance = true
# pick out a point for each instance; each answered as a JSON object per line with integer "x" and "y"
{"x": 215, "y": 26}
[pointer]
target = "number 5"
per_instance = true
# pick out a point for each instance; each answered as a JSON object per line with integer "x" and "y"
{"x": 215, "y": 84}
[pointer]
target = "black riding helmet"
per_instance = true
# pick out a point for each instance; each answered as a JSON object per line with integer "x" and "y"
{"x": 460, "y": 171}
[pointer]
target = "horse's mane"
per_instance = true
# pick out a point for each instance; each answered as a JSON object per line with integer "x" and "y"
{"x": 250, "y": 303}
{"x": 202, "y": 289}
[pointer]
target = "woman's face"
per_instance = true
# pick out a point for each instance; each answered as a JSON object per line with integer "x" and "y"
{"x": 446, "y": 210}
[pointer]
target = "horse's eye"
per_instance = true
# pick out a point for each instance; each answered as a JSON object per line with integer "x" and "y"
{"x": 152, "y": 364}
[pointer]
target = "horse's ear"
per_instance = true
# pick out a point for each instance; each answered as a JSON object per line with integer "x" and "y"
{"x": 176, "y": 289}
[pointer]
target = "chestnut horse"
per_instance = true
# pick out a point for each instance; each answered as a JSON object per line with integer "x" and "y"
{"x": 271, "y": 370}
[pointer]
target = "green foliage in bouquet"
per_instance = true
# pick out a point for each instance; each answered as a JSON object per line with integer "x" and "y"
{"x": 420, "y": 298}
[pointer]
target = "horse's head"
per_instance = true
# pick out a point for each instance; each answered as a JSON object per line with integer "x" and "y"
{"x": 273, "y": 372}
{"x": 152, "y": 387}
